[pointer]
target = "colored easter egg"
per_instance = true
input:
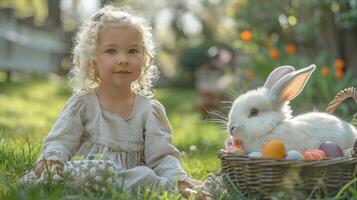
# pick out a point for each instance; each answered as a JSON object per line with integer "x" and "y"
{"x": 331, "y": 149}
{"x": 255, "y": 154}
{"x": 233, "y": 145}
{"x": 313, "y": 154}
{"x": 294, "y": 155}
{"x": 274, "y": 149}
{"x": 232, "y": 142}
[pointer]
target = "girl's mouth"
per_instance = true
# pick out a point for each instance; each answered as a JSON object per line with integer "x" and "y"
{"x": 122, "y": 72}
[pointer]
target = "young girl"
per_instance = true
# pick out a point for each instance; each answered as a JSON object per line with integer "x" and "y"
{"x": 111, "y": 113}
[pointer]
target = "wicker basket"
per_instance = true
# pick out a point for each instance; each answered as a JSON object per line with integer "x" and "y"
{"x": 263, "y": 178}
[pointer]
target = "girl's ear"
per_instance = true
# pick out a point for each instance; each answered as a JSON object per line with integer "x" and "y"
{"x": 93, "y": 63}
{"x": 276, "y": 75}
{"x": 290, "y": 86}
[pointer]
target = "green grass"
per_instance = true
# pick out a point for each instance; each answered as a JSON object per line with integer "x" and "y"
{"x": 29, "y": 108}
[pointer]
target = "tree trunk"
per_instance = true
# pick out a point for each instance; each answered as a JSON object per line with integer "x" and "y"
{"x": 53, "y": 20}
{"x": 349, "y": 39}
{"x": 328, "y": 32}
{"x": 8, "y": 76}
{"x": 340, "y": 43}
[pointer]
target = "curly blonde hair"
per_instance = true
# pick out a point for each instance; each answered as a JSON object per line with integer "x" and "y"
{"x": 84, "y": 77}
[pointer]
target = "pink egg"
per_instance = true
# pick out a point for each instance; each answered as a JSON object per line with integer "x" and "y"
{"x": 314, "y": 154}
{"x": 331, "y": 149}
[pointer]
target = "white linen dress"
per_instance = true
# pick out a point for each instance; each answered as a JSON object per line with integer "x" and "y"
{"x": 140, "y": 146}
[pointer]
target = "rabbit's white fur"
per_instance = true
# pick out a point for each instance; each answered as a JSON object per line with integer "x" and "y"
{"x": 264, "y": 114}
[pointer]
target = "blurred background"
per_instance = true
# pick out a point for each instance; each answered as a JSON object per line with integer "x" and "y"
{"x": 217, "y": 48}
{"x": 210, "y": 51}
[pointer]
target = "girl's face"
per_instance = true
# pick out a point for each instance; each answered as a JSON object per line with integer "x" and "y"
{"x": 119, "y": 56}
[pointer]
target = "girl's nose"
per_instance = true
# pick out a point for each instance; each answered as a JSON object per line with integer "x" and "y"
{"x": 122, "y": 59}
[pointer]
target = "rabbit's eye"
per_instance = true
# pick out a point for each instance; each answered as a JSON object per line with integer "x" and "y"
{"x": 253, "y": 112}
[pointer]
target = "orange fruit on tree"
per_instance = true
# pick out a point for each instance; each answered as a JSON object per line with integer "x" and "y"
{"x": 274, "y": 53}
{"x": 291, "y": 49}
{"x": 246, "y": 36}
{"x": 340, "y": 64}
{"x": 325, "y": 71}
{"x": 339, "y": 73}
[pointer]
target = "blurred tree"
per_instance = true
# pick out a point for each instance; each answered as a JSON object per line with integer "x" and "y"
{"x": 38, "y": 9}
{"x": 53, "y": 19}
{"x": 36, "y": 17}
{"x": 313, "y": 26}
{"x": 338, "y": 23}
{"x": 179, "y": 25}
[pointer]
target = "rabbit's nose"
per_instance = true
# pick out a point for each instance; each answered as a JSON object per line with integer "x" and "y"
{"x": 231, "y": 130}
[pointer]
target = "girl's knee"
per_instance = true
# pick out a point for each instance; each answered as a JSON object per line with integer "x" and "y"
{"x": 145, "y": 171}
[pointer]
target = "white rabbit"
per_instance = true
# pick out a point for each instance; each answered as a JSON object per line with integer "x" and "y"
{"x": 264, "y": 114}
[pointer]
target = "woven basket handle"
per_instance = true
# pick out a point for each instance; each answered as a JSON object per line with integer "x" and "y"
{"x": 341, "y": 96}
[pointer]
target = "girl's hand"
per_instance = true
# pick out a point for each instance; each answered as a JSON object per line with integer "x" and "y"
{"x": 52, "y": 165}
{"x": 186, "y": 190}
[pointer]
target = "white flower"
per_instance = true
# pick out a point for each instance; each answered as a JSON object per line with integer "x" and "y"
{"x": 110, "y": 180}
{"x": 101, "y": 167}
{"x": 193, "y": 148}
{"x": 76, "y": 170}
{"x": 111, "y": 169}
{"x": 92, "y": 171}
{"x": 85, "y": 165}
{"x": 66, "y": 168}
{"x": 56, "y": 177}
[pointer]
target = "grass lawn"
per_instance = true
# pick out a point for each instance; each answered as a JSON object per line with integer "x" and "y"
{"x": 29, "y": 108}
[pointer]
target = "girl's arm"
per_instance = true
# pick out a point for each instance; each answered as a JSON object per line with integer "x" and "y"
{"x": 64, "y": 138}
{"x": 160, "y": 154}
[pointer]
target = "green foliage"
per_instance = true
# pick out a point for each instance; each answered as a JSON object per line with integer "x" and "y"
{"x": 277, "y": 20}
{"x": 346, "y": 12}
{"x": 34, "y": 8}
{"x": 16, "y": 157}
{"x": 193, "y": 57}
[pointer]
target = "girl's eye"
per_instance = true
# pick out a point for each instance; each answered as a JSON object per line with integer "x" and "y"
{"x": 253, "y": 112}
{"x": 133, "y": 51}
{"x": 111, "y": 51}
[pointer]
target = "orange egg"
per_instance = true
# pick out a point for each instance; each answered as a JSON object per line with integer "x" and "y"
{"x": 313, "y": 154}
{"x": 274, "y": 149}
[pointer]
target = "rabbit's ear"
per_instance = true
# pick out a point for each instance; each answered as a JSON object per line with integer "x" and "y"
{"x": 288, "y": 87}
{"x": 276, "y": 75}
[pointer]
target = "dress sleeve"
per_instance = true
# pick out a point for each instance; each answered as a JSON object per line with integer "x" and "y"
{"x": 160, "y": 154}
{"x": 64, "y": 138}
